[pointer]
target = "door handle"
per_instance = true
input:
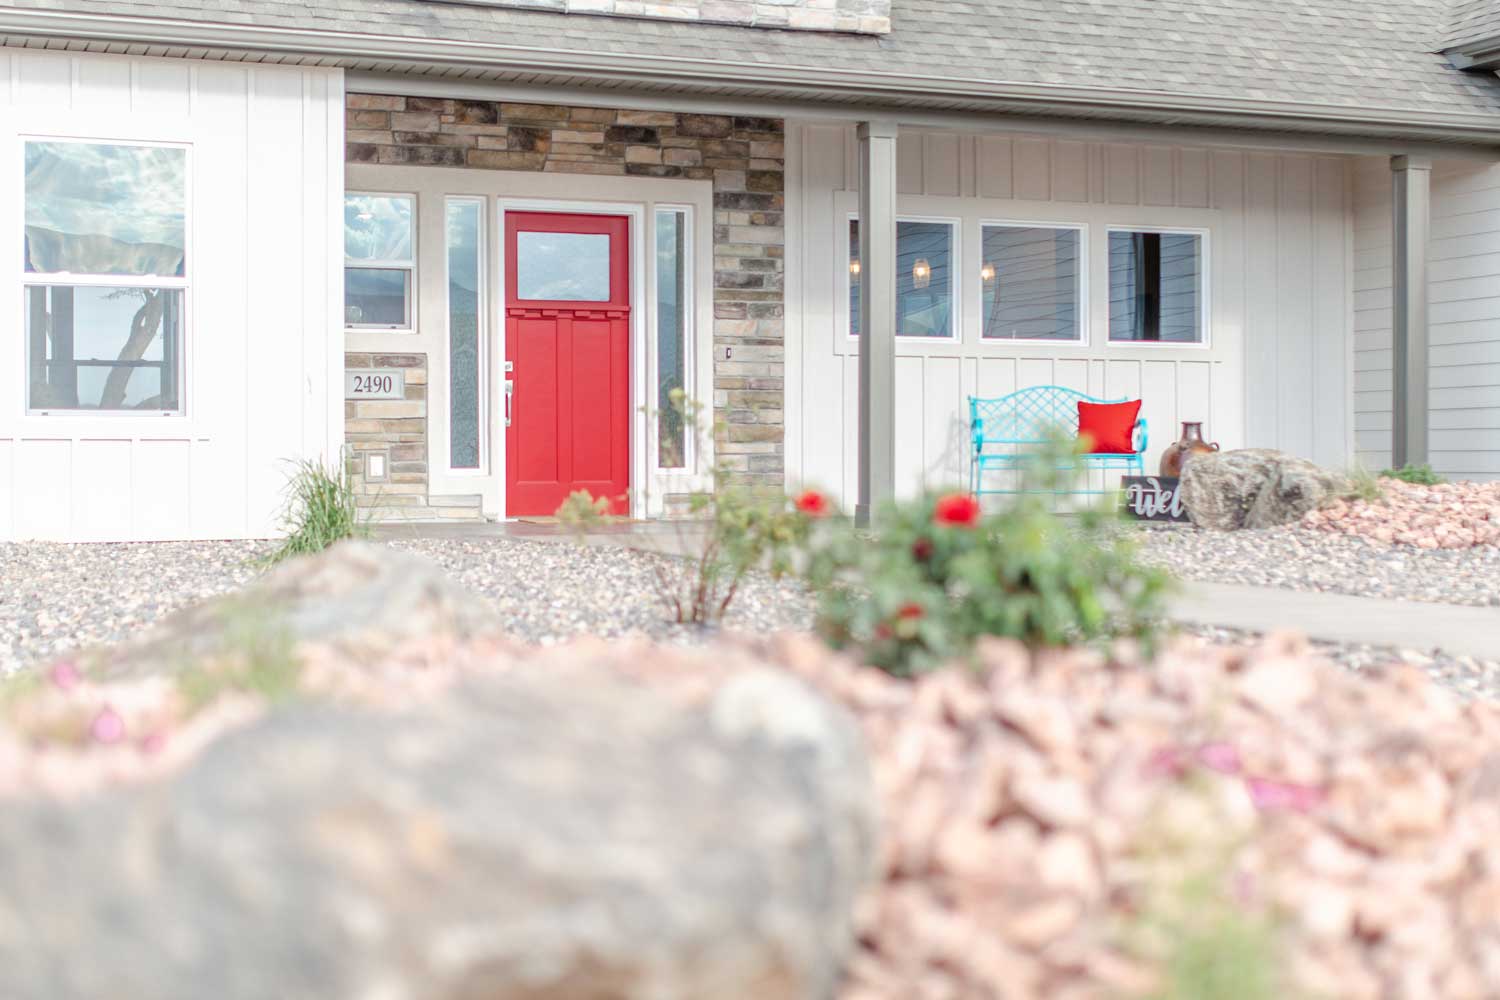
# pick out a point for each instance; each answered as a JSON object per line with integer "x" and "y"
{"x": 510, "y": 394}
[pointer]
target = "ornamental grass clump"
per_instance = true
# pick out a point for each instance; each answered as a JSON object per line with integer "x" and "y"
{"x": 1417, "y": 475}
{"x": 320, "y": 509}
{"x": 937, "y": 574}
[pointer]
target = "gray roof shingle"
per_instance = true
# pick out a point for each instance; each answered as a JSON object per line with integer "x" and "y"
{"x": 1326, "y": 55}
{"x": 1472, "y": 21}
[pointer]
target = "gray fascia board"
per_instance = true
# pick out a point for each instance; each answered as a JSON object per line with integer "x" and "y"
{"x": 427, "y": 54}
{"x": 1475, "y": 55}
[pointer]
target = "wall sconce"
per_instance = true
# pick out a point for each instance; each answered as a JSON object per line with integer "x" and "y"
{"x": 854, "y": 268}
{"x": 921, "y": 273}
{"x": 987, "y": 273}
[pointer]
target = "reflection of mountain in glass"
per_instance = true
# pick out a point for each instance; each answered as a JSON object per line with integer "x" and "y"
{"x": 96, "y": 208}
{"x": 562, "y": 267}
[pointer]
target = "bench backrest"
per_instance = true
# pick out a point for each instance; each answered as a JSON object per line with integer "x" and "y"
{"x": 1026, "y": 416}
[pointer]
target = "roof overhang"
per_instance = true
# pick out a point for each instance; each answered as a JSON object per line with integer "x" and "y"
{"x": 1482, "y": 53}
{"x": 714, "y": 74}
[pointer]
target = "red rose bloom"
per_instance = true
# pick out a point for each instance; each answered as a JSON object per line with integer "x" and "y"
{"x": 813, "y": 504}
{"x": 921, "y": 549}
{"x": 911, "y": 611}
{"x": 957, "y": 509}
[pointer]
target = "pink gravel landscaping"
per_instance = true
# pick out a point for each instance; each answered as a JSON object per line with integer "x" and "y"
{"x": 1445, "y": 516}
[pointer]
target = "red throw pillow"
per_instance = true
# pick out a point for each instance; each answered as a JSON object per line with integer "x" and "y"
{"x": 1110, "y": 427}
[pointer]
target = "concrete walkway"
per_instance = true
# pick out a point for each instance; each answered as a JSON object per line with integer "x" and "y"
{"x": 1375, "y": 621}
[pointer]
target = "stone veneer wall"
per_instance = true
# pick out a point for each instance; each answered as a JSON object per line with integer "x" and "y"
{"x": 871, "y": 17}
{"x": 399, "y": 427}
{"x": 743, "y": 157}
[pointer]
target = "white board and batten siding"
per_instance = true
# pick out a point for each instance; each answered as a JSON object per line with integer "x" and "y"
{"x": 1275, "y": 371}
{"x": 262, "y": 353}
{"x": 1463, "y": 318}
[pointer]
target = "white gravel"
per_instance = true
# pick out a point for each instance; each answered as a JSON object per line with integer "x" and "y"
{"x": 54, "y": 598}
{"x": 1307, "y": 559}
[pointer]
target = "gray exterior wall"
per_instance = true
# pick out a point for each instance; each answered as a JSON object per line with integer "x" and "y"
{"x": 1463, "y": 318}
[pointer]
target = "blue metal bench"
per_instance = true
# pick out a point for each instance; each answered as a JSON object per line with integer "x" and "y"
{"x": 1003, "y": 426}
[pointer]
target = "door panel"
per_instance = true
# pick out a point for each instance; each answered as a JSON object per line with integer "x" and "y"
{"x": 570, "y": 357}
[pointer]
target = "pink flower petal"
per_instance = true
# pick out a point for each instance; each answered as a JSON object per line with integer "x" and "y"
{"x": 107, "y": 727}
{"x": 1167, "y": 762}
{"x": 65, "y": 675}
{"x": 1221, "y": 757}
{"x": 1271, "y": 796}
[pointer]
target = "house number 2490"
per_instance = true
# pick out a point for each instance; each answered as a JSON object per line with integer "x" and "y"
{"x": 382, "y": 384}
{"x": 389, "y": 383}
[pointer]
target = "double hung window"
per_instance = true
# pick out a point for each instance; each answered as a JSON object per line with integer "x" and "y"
{"x": 379, "y": 261}
{"x": 105, "y": 276}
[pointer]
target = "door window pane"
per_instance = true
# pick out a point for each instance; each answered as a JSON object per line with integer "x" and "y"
{"x": 924, "y": 279}
{"x": 464, "y": 226}
{"x": 376, "y": 296}
{"x": 378, "y": 227}
{"x": 100, "y": 348}
{"x": 97, "y": 208}
{"x": 1032, "y": 283}
{"x": 671, "y": 338}
{"x": 1156, "y": 287}
{"x": 572, "y": 267}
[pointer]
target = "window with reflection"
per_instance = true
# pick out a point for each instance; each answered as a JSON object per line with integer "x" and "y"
{"x": 924, "y": 279}
{"x": 562, "y": 267}
{"x": 464, "y": 235}
{"x": 105, "y": 275}
{"x": 1032, "y": 283}
{"x": 1156, "y": 287}
{"x": 672, "y": 306}
{"x": 379, "y": 261}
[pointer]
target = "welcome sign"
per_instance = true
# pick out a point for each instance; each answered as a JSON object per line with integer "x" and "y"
{"x": 1153, "y": 498}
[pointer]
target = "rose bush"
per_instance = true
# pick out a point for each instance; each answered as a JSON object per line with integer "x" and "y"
{"x": 937, "y": 574}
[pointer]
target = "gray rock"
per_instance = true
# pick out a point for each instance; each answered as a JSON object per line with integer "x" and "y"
{"x": 1254, "y": 488}
{"x": 532, "y": 836}
{"x": 363, "y": 597}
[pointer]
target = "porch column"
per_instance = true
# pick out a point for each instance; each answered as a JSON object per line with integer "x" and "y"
{"x": 877, "y": 310}
{"x": 1413, "y": 196}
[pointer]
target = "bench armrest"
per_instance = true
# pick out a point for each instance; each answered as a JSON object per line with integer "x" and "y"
{"x": 1141, "y": 436}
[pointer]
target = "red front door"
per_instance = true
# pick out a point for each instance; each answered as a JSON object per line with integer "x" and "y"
{"x": 567, "y": 343}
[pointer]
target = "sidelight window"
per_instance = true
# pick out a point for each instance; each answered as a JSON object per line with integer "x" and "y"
{"x": 105, "y": 276}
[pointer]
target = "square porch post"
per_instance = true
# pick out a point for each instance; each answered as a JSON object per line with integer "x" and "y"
{"x": 1411, "y": 220}
{"x": 877, "y": 310}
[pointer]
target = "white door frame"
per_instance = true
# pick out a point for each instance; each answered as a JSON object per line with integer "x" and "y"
{"x": 639, "y": 373}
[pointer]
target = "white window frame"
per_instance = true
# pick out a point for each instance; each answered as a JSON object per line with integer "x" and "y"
{"x": 33, "y": 279}
{"x": 1205, "y": 274}
{"x": 482, "y": 357}
{"x": 955, "y": 285}
{"x": 687, "y": 308}
{"x": 408, "y": 266}
{"x": 1081, "y": 337}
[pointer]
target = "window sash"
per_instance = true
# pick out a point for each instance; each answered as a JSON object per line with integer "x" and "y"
{"x": 1143, "y": 307}
{"x": 853, "y": 276}
{"x": 408, "y": 299}
{"x": 464, "y": 412}
{"x": 992, "y": 289}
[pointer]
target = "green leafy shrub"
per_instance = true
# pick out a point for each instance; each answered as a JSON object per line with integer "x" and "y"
{"x": 937, "y": 575}
{"x": 1422, "y": 475}
{"x": 1363, "y": 485}
{"x": 731, "y": 530}
{"x": 319, "y": 510}
{"x": 582, "y": 512}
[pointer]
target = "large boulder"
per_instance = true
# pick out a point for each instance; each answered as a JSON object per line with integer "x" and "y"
{"x": 1254, "y": 488}
{"x": 489, "y": 821}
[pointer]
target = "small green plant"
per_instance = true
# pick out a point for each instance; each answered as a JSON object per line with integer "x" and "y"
{"x": 937, "y": 574}
{"x": 320, "y": 509}
{"x": 1363, "y": 485}
{"x": 1421, "y": 475}
{"x": 582, "y": 511}
{"x": 254, "y": 657}
{"x": 733, "y": 530}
